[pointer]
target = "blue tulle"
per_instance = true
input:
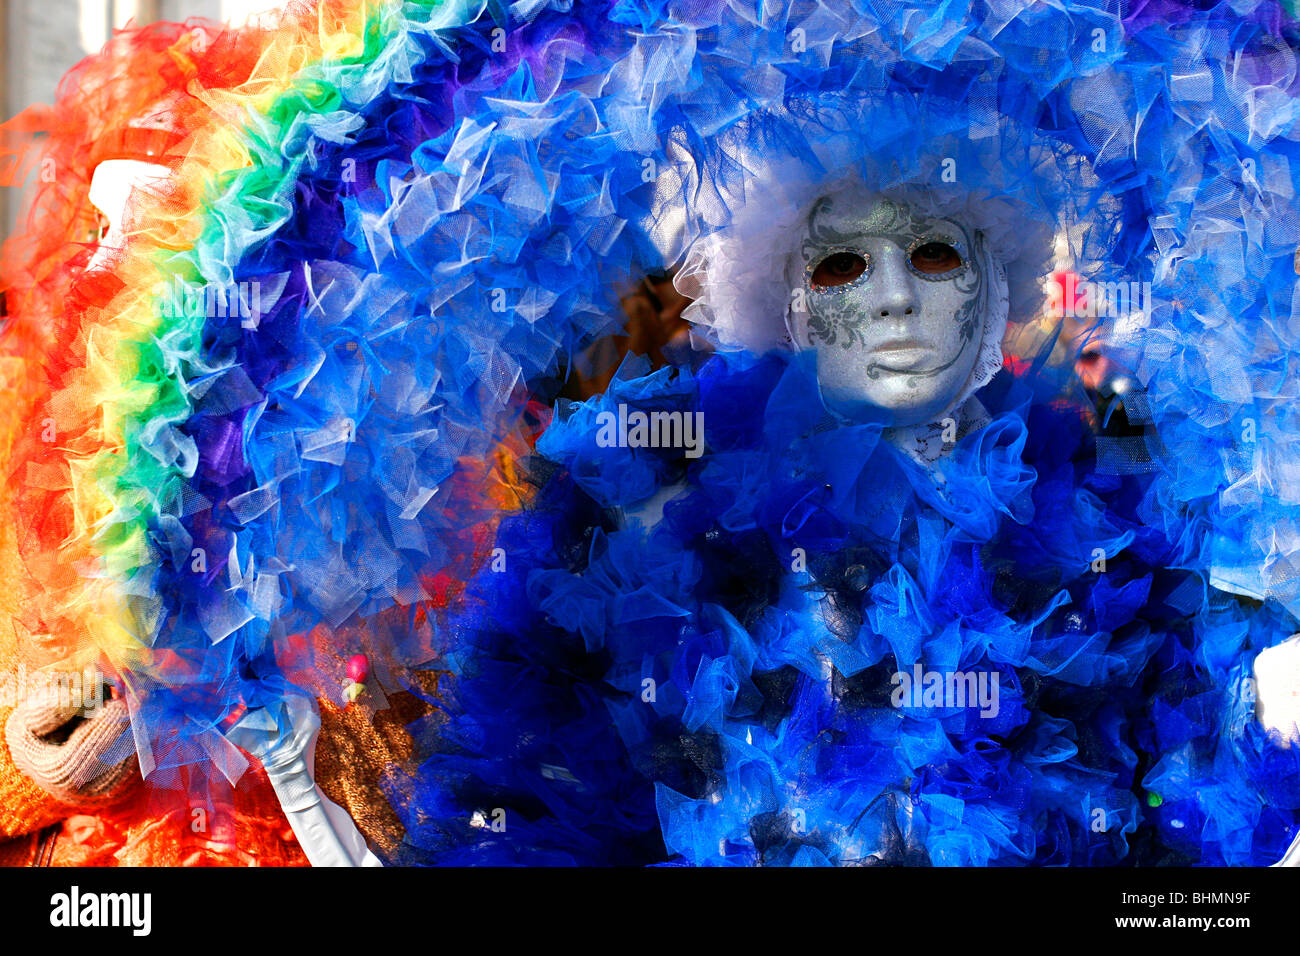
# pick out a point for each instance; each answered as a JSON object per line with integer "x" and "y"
{"x": 695, "y": 675}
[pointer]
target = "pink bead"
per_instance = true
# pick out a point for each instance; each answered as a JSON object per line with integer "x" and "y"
{"x": 358, "y": 668}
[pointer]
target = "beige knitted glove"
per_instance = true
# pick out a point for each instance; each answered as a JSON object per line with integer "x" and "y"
{"x": 83, "y": 756}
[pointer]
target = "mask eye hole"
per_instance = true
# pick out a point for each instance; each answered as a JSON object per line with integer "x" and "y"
{"x": 936, "y": 258}
{"x": 837, "y": 269}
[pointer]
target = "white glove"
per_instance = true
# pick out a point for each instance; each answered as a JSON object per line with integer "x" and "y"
{"x": 286, "y": 748}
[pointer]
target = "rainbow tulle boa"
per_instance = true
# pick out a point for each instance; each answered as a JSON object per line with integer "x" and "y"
{"x": 439, "y": 206}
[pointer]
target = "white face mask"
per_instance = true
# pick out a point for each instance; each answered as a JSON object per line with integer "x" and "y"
{"x": 895, "y": 303}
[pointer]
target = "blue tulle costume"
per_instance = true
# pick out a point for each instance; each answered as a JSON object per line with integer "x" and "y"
{"x": 696, "y": 693}
{"x": 1123, "y": 733}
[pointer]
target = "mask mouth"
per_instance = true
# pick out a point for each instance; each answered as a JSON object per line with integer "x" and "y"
{"x": 902, "y": 361}
{"x": 911, "y": 357}
{"x": 902, "y": 355}
{"x": 901, "y": 345}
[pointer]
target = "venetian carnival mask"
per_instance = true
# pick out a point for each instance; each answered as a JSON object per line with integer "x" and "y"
{"x": 896, "y": 304}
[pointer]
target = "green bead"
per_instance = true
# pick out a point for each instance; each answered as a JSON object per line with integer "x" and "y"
{"x": 1154, "y": 799}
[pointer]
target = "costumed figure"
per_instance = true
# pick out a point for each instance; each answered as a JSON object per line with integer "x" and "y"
{"x": 852, "y": 581}
{"x": 861, "y": 588}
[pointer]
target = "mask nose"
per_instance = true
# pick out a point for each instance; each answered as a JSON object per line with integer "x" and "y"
{"x": 896, "y": 296}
